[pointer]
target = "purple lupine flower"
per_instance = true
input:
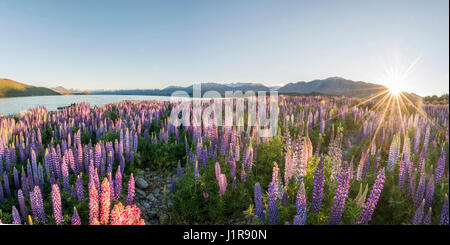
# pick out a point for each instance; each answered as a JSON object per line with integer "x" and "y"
{"x": 272, "y": 203}
{"x": 122, "y": 164}
{"x": 402, "y": 174}
{"x": 56, "y": 204}
{"x": 127, "y": 141}
{"x": 118, "y": 183}
{"x": 130, "y": 195}
{"x": 71, "y": 161}
{"x": 393, "y": 153}
{"x": 39, "y": 205}
{"x": 372, "y": 200}
{"x": 102, "y": 160}
{"x": 79, "y": 188}
{"x": 65, "y": 174}
{"x": 7, "y": 160}
{"x": 427, "y": 219}
{"x": 41, "y": 176}
{"x": 22, "y": 206}
{"x": 298, "y": 220}
{"x": 24, "y": 183}
{"x": 110, "y": 160}
{"x": 319, "y": 182}
{"x": 33, "y": 205}
{"x": 301, "y": 206}
{"x": 6, "y": 182}
{"x": 412, "y": 185}
{"x": 233, "y": 174}
{"x": 259, "y": 207}
{"x": 429, "y": 193}
{"x": 421, "y": 161}
{"x": 30, "y": 176}
{"x": 444, "y": 212}
{"x": 15, "y": 216}
{"x": 2, "y": 196}
{"x": 426, "y": 139}
{"x": 75, "y": 217}
{"x": 97, "y": 156}
{"x": 340, "y": 196}
{"x": 418, "y": 216}
{"x": 440, "y": 168}
{"x": 420, "y": 190}
{"x": 16, "y": 178}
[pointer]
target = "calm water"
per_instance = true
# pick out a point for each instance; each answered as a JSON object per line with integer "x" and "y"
{"x": 9, "y": 106}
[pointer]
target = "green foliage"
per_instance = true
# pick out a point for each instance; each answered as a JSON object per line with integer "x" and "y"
{"x": 161, "y": 156}
{"x": 109, "y": 137}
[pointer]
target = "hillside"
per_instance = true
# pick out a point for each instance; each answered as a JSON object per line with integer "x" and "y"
{"x": 333, "y": 86}
{"x": 10, "y": 88}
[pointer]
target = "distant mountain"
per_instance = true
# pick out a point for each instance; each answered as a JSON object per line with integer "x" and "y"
{"x": 333, "y": 86}
{"x": 70, "y": 91}
{"x": 330, "y": 86}
{"x": 221, "y": 88}
{"x": 61, "y": 90}
{"x": 275, "y": 88}
{"x": 10, "y": 88}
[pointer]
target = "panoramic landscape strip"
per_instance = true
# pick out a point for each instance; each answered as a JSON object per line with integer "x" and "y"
{"x": 224, "y": 121}
{"x": 333, "y": 160}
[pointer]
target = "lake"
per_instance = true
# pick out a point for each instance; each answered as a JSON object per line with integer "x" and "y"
{"x": 10, "y": 106}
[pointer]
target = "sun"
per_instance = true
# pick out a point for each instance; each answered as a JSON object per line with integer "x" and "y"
{"x": 395, "y": 88}
{"x": 395, "y": 81}
{"x": 397, "y": 74}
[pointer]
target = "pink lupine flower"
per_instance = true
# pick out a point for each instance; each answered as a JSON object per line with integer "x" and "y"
{"x": 105, "y": 200}
{"x": 222, "y": 184}
{"x": 217, "y": 170}
{"x": 93, "y": 204}
{"x": 129, "y": 215}
{"x": 56, "y": 203}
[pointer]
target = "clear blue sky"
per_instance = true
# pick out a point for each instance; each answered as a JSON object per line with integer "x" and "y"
{"x": 153, "y": 44}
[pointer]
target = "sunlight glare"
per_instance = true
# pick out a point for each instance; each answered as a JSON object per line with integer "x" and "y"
{"x": 395, "y": 87}
{"x": 396, "y": 75}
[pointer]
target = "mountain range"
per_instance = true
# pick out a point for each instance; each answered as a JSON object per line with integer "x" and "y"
{"x": 330, "y": 86}
{"x": 221, "y": 88}
{"x": 333, "y": 86}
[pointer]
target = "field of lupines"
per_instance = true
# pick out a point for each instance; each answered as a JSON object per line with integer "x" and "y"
{"x": 334, "y": 161}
